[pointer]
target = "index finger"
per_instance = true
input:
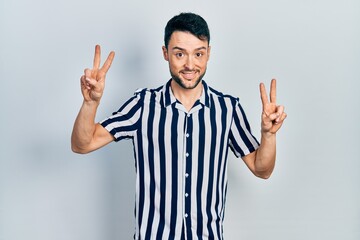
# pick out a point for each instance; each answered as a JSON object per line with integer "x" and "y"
{"x": 273, "y": 91}
{"x": 107, "y": 63}
{"x": 97, "y": 57}
{"x": 263, "y": 94}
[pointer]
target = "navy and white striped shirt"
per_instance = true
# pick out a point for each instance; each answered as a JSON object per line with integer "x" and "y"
{"x": 181, "y": 159}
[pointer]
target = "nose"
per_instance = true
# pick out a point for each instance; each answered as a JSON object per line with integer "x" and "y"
{"x": 189, "y": 64}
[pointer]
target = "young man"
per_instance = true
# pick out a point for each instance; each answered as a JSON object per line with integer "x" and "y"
{"x": 181, "y": 132}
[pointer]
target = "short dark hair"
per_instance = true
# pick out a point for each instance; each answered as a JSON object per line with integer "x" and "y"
{"x": 187, "y": 22}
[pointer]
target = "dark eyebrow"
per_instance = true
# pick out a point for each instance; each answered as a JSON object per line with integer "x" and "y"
{"x": 182, "y": 49}
{"x": 201, "y": 48}
{"x": 178, "y": 48}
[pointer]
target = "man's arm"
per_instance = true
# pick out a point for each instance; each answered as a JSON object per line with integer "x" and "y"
{"x": 88, "y": 136}
{"x": 262, "y": 161}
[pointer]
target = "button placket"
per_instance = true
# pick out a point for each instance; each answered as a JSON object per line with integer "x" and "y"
{"x": 187, "y": 179}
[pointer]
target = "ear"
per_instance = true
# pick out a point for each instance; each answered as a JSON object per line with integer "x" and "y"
{"x": 165, "y": 53}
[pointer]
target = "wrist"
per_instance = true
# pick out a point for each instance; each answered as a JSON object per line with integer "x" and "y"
{"x": 91, "y": 104}
{"x": 267, "y": 134}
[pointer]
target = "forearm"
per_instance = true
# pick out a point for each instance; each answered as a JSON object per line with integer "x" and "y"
{"x": 84, "y": 126}
{"x": 266, "y": 155}
{"x": 262, "y": 161}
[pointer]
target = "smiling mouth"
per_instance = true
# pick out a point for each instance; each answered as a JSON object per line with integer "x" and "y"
{"x": 188, "y": 75}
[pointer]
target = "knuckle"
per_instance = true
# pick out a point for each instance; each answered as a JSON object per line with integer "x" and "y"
{"x": 87, "y": 72}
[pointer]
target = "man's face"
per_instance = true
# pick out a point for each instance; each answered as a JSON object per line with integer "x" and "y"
{"x": 187, "y": 56}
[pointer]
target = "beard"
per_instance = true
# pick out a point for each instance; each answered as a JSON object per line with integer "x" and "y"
{"x": 182, "y": 83}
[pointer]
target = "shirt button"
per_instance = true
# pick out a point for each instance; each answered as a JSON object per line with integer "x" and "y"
{"x": 186, "y": 215}
{"x": 186, "y": 175}
{"x": 187, "y": 135}
{"x": 186, "y": 194}
{"x": 189, "y": 115}
{"x": 187, "y": 154}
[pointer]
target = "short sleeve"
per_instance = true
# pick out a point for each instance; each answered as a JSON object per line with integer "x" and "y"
{"x": 125, "y": 122}
{"x": 241, "y": 140}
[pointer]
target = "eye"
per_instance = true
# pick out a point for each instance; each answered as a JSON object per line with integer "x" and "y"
{"x": 199, "y": 54}
{"x": 179, "y": 54}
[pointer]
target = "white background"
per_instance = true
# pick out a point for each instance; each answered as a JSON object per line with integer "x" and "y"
{"x": 311, "y": 47}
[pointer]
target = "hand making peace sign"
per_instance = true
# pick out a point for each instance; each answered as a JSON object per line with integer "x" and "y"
{"x": 273, "y": 115}
{"x": 93, "y": 80}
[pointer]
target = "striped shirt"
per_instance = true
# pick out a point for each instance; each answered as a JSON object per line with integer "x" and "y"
{"x": 181, "y": 159}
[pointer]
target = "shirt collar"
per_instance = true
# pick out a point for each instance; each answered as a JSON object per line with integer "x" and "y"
{"x": 169, "y": 98}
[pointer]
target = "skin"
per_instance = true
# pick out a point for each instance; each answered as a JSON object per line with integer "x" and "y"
{"x": 187, "y": 57}
{"x": 262, "y": 161}
{"x": 87, "y": 135}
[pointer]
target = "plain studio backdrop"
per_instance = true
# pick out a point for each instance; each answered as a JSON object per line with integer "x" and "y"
{"x": 311, "y": 47}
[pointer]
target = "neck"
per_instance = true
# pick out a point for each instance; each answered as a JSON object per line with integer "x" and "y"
{"x": 186, "y": 96}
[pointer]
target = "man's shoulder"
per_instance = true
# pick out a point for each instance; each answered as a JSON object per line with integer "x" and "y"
{"x": 145, "y": 91}
{"x": 148, "y": 94}
{"x": 219, "y": 94}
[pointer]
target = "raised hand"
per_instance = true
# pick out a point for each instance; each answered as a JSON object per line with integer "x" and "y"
{"x": 272, "y": 115}
{"x": 93, "y": 80}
